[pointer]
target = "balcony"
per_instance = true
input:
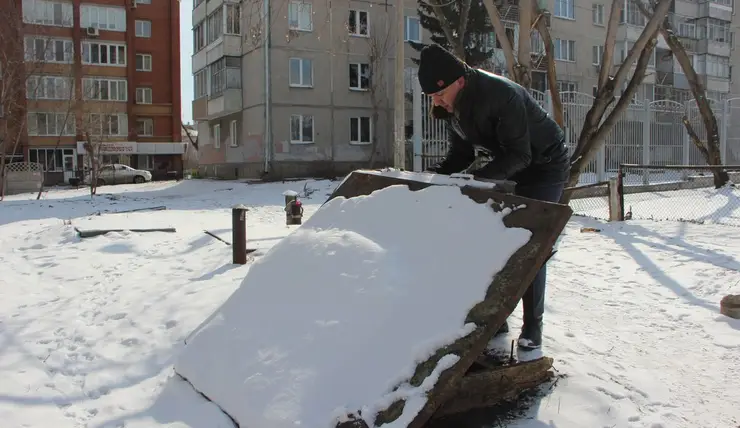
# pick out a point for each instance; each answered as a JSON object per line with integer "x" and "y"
{"x": 224, "y": 90}
{"x": 712, "y": 83}
{"x": 711, "y": 47}
{"x": 716, "y": 9}
{"x": 226, "y": 45}
{"x": 211, "y": 107}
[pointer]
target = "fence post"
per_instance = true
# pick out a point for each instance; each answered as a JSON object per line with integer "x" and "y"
{"x": 548, "y": 104}
{"x": 646, "y": 142}
{"x": 615, "y": 201}
{"x": 601, "y": 163}
{"x": 418, "y": 129}
{"x": 723, "y": 132}
{"x": 239, "y": 234}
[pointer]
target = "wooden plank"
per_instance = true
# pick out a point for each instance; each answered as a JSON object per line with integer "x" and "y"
{"x": 98, "y": 232}
{"x": 545, "y": 220}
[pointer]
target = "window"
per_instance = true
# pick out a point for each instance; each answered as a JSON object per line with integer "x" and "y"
{"x": 106, "y": 53}
{"x": 715, "y": 30}
{"x": 53, "y": 160}
{"x": 358, "y": 23}
{"x": 359, "y": 77}
{"x": 51, "y": 124}
{"x": 199, "y": 37}
{"x": 566, "y": 86}
{"x": 107, "y": 124}
{"x": 633, "y": 15}
{"x": 597, "y": 12}
{"x": 49, "y": 50}
{"x": 301, "y": 129}
{"x": 409, "y": 75}
{"x": 214, "y": 25}
{"x": 536, "y": 43}
{"x": 143, "y": 2}
{"x": 49, "y": 88}
{"x": 412, "y": 30}
{"x": 360, "y": 130}
{"x": 143, "y": 95}
{"x": 201, "y": 83}
{"x": 217, "y": 136}
{"x": 225, "y": 74}
{"x": 43, "y": 12}
{"x": 103, "y": 17}
{"x": 143, "y": 62}
{"x": 143, "y": 28}
{"x": 714, "y": 66}
{"x": 597, "y": 52}
{"x": 565, "y": 9}
{"x": 233, "y": 17}
{"x": 565, "y": 50}
{"x": 594, "y": 91}
{"x": 233, "y": 134}
{"x": 300, "y": 16}
{"x": 145, "y": 127}
{"x": 104, "y": 89}
{"x": 146, "y": 162}
{"x": 301, "y": 72}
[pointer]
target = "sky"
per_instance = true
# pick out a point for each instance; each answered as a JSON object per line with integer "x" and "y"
{"x": 186, "y": 51}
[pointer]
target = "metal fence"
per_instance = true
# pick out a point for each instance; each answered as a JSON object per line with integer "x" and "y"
{"x": 647, "y": 132}
{"x": 679, "y": 192}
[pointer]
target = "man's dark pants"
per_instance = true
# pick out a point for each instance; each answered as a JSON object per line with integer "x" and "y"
{"x": 533, "y": 301}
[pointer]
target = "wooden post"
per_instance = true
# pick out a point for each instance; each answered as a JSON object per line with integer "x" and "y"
{"x": 620, "y": 191}
{"x": 239, "y": 234}
{"x": 615, "y": 202}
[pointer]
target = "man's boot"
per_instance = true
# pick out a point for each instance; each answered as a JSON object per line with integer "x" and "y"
{"x": 533, "y": 304}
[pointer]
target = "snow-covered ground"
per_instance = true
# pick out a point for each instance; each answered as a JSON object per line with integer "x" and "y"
{"x": 89, "y": 329}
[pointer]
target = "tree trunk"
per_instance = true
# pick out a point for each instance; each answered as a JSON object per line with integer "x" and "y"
{"x": 710, "y": 149}
{"x": 552, "y": 78}
{"x": 523, "y": 74}
{"x": 500, "y": 30}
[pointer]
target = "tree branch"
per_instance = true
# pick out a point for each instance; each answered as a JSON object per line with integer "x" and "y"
{"x": 463, "y": 25}
{"x": 552, "y": 78}
{"x": 609, "y": 42}
{"x": 458, "y": 48}
{"x": 500, "y": 30}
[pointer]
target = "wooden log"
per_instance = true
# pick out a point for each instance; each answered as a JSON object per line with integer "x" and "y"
{"x": 213, "y": 235}
{"x": 545, "y": 220}
{"x": 487, "y": 388}
{"x": 93, "y": 233}
{"x": 159, "y": 208}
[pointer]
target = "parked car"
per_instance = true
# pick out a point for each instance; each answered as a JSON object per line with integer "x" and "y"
{"x": 120, "y": 174}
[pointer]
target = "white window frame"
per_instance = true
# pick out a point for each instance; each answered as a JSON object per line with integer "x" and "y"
{"x": 37, "y": 87}
{"x": 59, "y": 154}
{"x": 297, "y": 10}
{"x": 92, "y": 88}
{"x": 597, "y": 14}
{"x": 147, "y": 125}
{"x": 215, "y": 25}
{"x": 359, "y": 67}
{"x": 302, "y": 83}
{"x": 143, "y": 28}
{"x": 50, "y": 53}
{"x": 357, "y": 121}
{"x": 232, "y": 19}
{"x": 59, "y": 120}
{"x": 302, "y": 138}
{"x": 144, "y": 95}
{"x": 199, "y": 36}
{"x": 200, "y": 83}
{"x": 358, "y": 30}
{"x": 597, "y": 52}
{"x": 233, "y": 133}
{"x": 407, "y": 27}
{"x": 87, "y": 47}
{"x": 94, "y": 15}
{"x": 144, "y": 57}
{"x": 570, "y": 50}
{"x": 106, "y": 120}
{"x": 48, "y": 13}
{"x": 565, "y": 9}
{"x": 216, "y": 134}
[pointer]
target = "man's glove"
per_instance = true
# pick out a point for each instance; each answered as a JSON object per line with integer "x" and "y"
{"x": 485, "y": 172}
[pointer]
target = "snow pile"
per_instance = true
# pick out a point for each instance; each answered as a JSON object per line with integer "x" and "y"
{"x": 337, "y": 314}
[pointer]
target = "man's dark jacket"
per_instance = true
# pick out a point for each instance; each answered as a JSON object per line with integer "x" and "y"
{"x": 501, "y": 117}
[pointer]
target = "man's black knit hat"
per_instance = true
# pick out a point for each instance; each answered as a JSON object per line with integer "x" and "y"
{"x": 438, "y": 68}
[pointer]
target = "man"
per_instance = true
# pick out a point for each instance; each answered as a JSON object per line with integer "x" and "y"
{"x": 492, "y": 114}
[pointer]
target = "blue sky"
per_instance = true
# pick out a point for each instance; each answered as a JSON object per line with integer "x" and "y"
{"x": 186, "y": 51}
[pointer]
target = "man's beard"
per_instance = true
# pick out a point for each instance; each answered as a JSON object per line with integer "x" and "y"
{"x": 439, "y": 112}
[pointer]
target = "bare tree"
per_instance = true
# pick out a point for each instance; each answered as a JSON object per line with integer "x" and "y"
{"x": 379, "y": 44}
{"x": 598, "y": 124}
{"x": 25, "y": 80}
{"x": 710, "y": 148}
{"x": 455, "y": 36}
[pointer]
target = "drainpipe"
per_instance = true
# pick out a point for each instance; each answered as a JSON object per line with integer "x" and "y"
{"x": 268, "y": 97}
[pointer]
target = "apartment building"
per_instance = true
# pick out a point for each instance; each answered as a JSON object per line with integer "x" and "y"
{"x": 704, "y": 27}
{"x": 317, "y": 101}
{"x": 101, "y": 72}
